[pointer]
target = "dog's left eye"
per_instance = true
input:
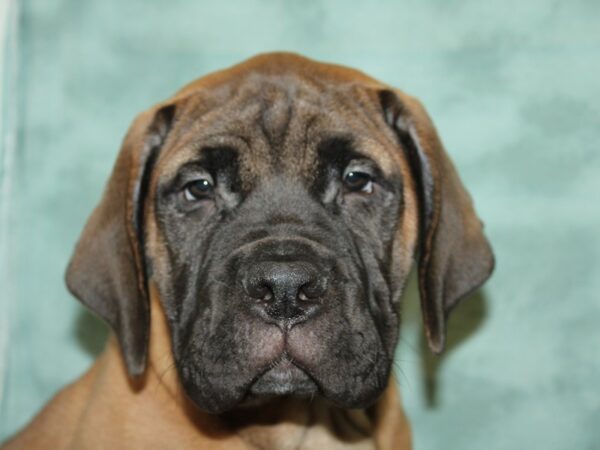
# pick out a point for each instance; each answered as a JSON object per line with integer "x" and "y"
{"x": 198, "y": 189}
{"x": 357, "y": 181}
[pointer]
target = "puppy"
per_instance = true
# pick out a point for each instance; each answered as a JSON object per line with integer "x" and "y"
{"x": 250, "y": 252}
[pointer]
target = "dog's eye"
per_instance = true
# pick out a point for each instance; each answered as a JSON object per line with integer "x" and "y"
{"x": 356, "y": 181}
{"x": 198, "y": 189}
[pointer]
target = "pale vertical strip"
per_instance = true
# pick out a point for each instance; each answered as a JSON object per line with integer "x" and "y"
{"x": 8, "y": 133}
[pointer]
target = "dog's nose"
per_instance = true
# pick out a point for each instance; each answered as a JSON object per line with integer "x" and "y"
{"x": 285, "y": 292}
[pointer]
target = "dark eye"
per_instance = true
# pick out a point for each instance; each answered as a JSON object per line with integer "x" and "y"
{"x": 198, "y": 189}
{"x": 356, "y": 181}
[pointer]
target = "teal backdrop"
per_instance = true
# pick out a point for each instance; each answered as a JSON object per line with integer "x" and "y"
{"x": 514, "y": 88}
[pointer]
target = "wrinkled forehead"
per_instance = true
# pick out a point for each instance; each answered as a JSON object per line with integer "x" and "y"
{"x": 279, "y": 123}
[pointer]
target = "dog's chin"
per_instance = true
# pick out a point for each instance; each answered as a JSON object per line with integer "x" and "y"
{"x": 283, "y": 379}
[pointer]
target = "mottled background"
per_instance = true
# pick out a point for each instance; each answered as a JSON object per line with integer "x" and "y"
{"x": 514, "y": 89}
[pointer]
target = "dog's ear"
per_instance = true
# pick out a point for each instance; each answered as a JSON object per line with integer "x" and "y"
{"x": 107, "y": 272}
{"x": 454, "y": 257}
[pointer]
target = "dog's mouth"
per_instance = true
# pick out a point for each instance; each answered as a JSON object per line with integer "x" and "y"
{"x": 282, "y": 378}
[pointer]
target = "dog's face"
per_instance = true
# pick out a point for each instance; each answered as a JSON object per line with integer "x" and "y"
{"x": 277, "y": 207}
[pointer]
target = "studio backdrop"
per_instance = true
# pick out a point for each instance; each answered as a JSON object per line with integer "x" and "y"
{"x": 514, "y": 90}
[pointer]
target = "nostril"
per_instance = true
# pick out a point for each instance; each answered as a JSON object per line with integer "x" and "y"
{"x": 312, "y": 290}
{"x": 264, "y": 293}
{"x": 259, "y": 291}
{"x": 302, "y": 296}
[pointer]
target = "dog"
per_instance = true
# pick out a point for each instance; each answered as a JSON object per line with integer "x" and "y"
{"x": 250, "y": 252}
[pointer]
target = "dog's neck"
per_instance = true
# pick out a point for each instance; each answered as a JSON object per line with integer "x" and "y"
{"x": 154, "y": 412}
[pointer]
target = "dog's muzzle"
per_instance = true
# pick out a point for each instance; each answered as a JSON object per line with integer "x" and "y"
{"x": 285, "y": 283}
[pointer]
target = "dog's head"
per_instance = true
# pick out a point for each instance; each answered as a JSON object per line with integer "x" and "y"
{"x": 277, "y": 206}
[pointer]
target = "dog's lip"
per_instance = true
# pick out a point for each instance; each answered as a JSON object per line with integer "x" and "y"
{"x": 283, "y": 378}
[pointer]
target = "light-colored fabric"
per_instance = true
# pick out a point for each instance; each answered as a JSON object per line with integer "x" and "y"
{"x": 513, "y": 88}
{"x": 8, "y": 117}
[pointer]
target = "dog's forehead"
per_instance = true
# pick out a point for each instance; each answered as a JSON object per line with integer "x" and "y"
{"x": 276, "y": 120}
{"x": 282, "y": 63}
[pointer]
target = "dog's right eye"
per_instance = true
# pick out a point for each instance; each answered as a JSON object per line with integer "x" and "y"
{"x": 356, "y": 181}
{"x": 199, "y": 189}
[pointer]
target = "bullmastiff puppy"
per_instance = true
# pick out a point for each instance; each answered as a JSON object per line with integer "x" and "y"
{"x": 250, "y": 252}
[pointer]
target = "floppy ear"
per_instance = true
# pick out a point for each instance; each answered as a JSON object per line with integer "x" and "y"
{"x": 455, "y": 258}
{"x": 107, "y": 271}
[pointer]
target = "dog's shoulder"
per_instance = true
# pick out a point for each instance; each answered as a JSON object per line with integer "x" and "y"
{"x": 56, "y": 424}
